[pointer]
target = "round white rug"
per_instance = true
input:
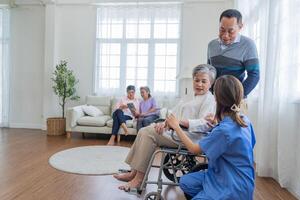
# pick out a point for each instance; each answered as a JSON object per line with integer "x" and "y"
{"x": 91, "y": 160}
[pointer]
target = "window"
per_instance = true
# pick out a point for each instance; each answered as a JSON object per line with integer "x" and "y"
{"x": 137, "y": 45}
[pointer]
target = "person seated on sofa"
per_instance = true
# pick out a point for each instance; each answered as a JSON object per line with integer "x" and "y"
{"x": 123, "y": 113}
{"x": 191, "y": 114}
{"x": 148, "y": 110}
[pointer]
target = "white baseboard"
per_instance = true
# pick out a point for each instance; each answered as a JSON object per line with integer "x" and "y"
{"x": 26, "y": 125}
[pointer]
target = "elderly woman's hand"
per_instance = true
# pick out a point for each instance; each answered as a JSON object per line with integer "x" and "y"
{"x": 173, "y": 122}
{"x": 159, "y": 127}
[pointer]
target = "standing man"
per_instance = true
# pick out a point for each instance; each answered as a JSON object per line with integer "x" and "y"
{"x": 234, "y": 54}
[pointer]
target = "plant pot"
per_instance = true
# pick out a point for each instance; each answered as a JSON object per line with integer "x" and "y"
{"x": 56, "y": 126}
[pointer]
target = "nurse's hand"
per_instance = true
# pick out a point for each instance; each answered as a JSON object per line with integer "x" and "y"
{"x": 211, "y": 120}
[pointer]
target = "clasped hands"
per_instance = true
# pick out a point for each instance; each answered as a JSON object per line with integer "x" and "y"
{"x": 172, "y": 123}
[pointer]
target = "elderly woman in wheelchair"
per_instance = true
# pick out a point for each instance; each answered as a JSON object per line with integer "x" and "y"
{"x": 191, "y": 114}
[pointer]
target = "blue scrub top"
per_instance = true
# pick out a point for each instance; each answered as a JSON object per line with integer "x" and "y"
{"x": 229, "y": 149}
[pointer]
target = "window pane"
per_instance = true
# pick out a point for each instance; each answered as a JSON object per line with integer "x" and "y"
{"x": 104, "y": 73}
{"x": 104, "y": 31}
{"x": 142, "y": 73}
{"x": 131, "y": 30}
{"x": 172, "y": 49}
{"x": 160, "y": 30}
{"x": 105, "y": 83}
{"x": 144, "y": 31}
{"x": 171, "y": 61}
{"x": 114, "y": 48}
{"x": 132, "y": 49}
{"x": 104, "y": 60}
{"x": 131, "y": 61}
{"x": 159, "y": 74}
{"x": 130, "y": 73}
{"x": 114, "y": 61}
{"x": 170, "y": 86}
{"x": 159, "y": 86}
{"x": 160, "y": 49}
{"x": 104, "y": 48}
{"x": 171, "y": 74}
{"x": 114, "y": 83}
{"x": 116, "y": 31}
{"x": 143, "y": 49}
{"x": 114, "y": 73}
{"x": 130, "y": 82}
{"x": 142, "y": 61}
{"x": 172, "y": 31}
{"x": 160, "y": 61}
{"x": 141, "y": 83}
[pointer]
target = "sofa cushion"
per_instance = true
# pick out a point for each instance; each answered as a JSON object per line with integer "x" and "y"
{"x": 91, "y": 111}
{"x": 103, "y": 103}
{"x": 93, "y": 121}
{"x": 129, "y": 123}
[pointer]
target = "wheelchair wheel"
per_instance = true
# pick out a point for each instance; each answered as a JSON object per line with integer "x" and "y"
{"x": 183, "y": 164}
{"x": 153, "y": 196}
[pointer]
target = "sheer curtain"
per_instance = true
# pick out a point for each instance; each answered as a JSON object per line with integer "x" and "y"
{"x": 275, "y": 26}
{"x": 4, "y": 69}
{"x": 137, "y": 44}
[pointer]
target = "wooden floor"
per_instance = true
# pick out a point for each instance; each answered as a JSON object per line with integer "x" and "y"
{"x": 26, "y": 174}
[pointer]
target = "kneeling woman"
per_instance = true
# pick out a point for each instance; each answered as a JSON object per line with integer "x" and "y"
{"x": 229, "y": 149}
{"x": 122, "y": 113}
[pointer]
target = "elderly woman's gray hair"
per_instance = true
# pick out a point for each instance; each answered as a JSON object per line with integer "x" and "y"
{"x": 147, "y": 89}
{"x": 208, "y": 69}
{"x": 130, "y": 87}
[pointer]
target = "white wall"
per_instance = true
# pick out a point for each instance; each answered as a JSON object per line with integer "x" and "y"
{"x": 26, "y": 70}
{"x": 73, "y": 26}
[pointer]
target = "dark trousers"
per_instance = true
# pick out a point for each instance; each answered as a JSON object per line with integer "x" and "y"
{"x": 145, "y": 121}
{"x": 118, "y": 119}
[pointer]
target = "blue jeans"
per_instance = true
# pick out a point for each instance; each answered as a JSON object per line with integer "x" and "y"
{"x": 145, "y": 121}
{"x": 118, "y": 119}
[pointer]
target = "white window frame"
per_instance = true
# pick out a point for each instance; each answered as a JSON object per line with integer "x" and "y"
{"x": 151, "y": 55}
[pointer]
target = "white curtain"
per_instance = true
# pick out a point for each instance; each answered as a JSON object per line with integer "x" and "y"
{"x": 275, "y": 26}
{"x": 4, "y": 66}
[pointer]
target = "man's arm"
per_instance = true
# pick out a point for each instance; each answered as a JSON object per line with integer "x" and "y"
{"x": 251, "y": 64}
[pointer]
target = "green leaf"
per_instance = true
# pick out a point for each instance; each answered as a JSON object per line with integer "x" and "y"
{"x": 64, "y": 84}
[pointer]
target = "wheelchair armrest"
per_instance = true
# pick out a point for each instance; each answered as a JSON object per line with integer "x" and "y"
{"x": 159, "y": 120}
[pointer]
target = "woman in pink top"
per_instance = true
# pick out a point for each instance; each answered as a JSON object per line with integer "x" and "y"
{"x": 123, "y": 113}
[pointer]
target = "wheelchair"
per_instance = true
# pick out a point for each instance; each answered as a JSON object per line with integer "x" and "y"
{"x": 174, "y": 163}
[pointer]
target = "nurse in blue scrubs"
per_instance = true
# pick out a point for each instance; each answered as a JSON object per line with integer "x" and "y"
{"x": 229, "y": 149}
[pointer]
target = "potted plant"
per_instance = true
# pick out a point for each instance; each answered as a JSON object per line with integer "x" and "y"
{"x": 64, "y": 87}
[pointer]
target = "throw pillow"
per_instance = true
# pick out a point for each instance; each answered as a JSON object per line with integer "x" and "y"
{"x": 91, "y": 110}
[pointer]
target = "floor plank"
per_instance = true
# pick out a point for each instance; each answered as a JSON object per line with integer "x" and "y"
{"x": 26, "y": 174}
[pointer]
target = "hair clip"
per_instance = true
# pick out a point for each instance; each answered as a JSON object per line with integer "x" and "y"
{"x": 235, "y": 108}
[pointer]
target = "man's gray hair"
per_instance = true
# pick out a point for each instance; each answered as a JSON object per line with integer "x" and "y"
{"x": 208, "y": 69}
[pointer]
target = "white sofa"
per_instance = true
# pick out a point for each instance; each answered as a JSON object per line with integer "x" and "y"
{"x": 77, "y": 121}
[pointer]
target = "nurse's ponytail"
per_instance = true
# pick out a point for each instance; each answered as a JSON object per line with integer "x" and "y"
{"x": 229, "y": 93}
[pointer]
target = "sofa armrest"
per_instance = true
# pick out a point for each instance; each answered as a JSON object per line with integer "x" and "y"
{"x": 73, "y": 114}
